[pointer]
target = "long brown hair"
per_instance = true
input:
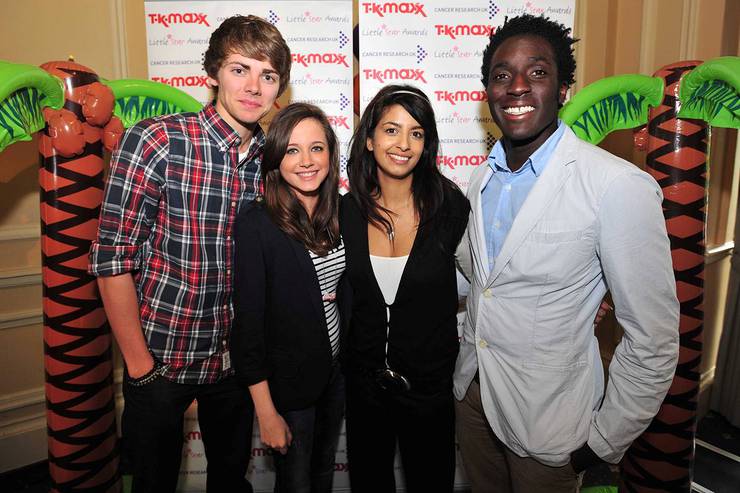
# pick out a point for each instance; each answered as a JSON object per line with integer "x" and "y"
{"x": 320, "y": 232}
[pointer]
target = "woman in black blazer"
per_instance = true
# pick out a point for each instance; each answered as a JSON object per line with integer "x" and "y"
{"x": 289, "y": 259}
{"x": 401, "y": 224}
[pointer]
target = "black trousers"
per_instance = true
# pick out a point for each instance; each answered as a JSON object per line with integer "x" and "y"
{"x": 423, "y": 425}
{"x": 308, "y": 467}
{"x": 152, "y": 427}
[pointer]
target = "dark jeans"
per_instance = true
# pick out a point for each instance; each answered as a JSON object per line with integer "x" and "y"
{"x": 152, "y": 427}
{"x": 308, "y": 467}
{"x": 423, "y": 425}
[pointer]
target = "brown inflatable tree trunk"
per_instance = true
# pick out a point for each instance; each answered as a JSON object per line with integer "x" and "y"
{"x": 662, "y": 458}
{"x": 83, "y": 454}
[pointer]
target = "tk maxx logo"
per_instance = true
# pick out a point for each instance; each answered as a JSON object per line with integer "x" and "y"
{"x": 325, "y": 58}
{"x": 381, "y": 9}
{"x": 189, "y": 18}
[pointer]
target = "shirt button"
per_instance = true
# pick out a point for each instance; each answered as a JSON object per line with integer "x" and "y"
{"x": 482, "y": 344}
{"x": 507, "y": 186}
{"x": 488, "y": 293}
{"x": 228, "y": 272}
{"x": 233, "y": 203}
{"x": 228, "y": 237}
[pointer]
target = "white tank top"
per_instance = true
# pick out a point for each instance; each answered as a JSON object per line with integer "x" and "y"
{"x": 388, "y": 271}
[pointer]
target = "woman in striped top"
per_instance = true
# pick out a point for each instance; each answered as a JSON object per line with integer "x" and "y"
{"x": 289, "y": 261}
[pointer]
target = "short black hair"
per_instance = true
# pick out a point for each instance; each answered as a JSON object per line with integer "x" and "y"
{"x": 556, "y": 34}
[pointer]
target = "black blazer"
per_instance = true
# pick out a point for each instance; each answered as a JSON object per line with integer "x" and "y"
{"x": 279, "y": 332}
{"x": 423, "y": 340}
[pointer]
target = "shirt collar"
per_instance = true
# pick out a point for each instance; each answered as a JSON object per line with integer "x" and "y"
{"x": 536, "y": 162}
{"x": 224, "y": 135}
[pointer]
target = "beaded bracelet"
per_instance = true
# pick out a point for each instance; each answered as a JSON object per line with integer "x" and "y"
{"x": 157, "y": 370}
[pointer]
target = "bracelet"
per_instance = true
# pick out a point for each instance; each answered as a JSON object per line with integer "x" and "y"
{"x": 157, "y": 370}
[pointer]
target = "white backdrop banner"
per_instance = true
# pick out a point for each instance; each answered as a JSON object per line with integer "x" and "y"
{"x": 261, "y": 472}
{"x": 437, "y": 46}
{"x": 434, "y": 45}
{"x": 319, "y": 35}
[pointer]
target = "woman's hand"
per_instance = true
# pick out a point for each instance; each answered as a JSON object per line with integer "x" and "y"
{"x": 274, "y": 432}
{"x": 604, "y": 308}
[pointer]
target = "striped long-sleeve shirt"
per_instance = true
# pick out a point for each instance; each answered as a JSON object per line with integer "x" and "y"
{"x": 328, "y": 270}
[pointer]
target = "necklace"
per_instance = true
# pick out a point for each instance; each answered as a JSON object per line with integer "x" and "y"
{"x": 391, "y": 232}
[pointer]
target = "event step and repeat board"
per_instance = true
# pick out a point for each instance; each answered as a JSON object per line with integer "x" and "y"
{"x": 438, "y": 47}
{"x": 319, "y": 35}
{"x": 434, "y": 45}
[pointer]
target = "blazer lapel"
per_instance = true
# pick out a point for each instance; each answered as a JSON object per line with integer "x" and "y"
{"x": 476, "y": 230}
{"x": 545, "y": 189}
{"x": 311, "y": 279}
{"x": 419, "y": 243}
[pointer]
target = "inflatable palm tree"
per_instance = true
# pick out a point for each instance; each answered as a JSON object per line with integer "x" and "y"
{"x": 77, "y": 116}
{"x": 678, "y": 106}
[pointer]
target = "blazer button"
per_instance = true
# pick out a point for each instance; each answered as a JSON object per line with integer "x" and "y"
{"x": 482, "y": 344}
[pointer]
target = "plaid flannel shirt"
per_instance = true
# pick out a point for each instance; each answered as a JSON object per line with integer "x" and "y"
{"x": 174, "y": 189}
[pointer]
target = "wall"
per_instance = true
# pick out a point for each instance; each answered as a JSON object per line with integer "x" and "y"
{"x": 34, "y": 32}
{"x": 640, "y": 36}
{"x": 618, "y": 36}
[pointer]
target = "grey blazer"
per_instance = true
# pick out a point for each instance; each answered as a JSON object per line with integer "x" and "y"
{"x": 591, "y": 222}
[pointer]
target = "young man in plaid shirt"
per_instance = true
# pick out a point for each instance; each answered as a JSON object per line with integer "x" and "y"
{"x": 163, "y": 258}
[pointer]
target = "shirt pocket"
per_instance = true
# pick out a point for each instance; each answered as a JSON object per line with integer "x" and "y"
{"x": 558, "y": 231}
{"x": 556, "y": 252}
{"x": 286, "y": 365}
{"x": 554, "y": 407}
{"x": 555, "y": 236}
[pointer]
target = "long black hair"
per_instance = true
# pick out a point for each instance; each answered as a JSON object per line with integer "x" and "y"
{"x": 428, "y": 185}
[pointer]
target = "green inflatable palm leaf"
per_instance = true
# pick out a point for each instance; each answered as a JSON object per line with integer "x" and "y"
{"x": 610, "y": 104}
{"x": 25, "y": 91}
{"x": 137, "y": 100}
{"x": 711, "y": 92}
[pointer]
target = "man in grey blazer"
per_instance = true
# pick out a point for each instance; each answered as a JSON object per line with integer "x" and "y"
{"x": 555, "y": 222}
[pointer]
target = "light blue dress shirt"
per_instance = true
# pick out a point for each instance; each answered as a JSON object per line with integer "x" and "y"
{"x": 505, "y": 192}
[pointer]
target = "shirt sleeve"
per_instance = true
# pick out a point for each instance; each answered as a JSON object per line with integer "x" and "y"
{"x": 248, "y": 341}
{"x": 634, "y": 250}
{"x": 132, "y": 196}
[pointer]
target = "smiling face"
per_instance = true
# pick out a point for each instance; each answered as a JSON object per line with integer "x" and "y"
{"x": 397, "y": 143}
{"x": 524, "y": 94}
{"x": 247, "y": 89}
{"x": 306, "y": 162}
